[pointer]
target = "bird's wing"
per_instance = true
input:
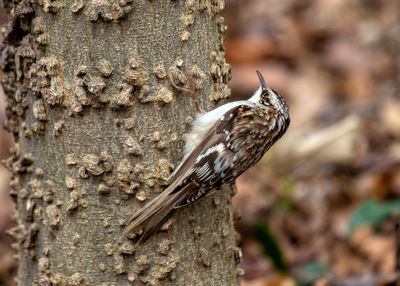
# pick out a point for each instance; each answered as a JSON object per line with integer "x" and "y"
{"x": 204, "y": 164}
{"x": 212, "y": 154}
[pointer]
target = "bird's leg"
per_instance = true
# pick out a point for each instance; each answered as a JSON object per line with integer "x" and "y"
{"x": 191, "y": 91}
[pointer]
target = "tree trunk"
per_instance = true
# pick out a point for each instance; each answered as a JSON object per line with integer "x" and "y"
{"x": 99, "y": 128}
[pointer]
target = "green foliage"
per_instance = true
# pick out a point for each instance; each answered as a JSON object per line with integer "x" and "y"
{"x": 310, "y": 272}
{"x": 270, "y": 246}
{"x": 373, "y": 212}
{"x": 284, "y": 204}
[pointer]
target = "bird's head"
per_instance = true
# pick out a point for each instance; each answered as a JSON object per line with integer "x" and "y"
{"x": 269, "y": 97}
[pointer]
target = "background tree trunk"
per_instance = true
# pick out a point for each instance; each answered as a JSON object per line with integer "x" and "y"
{"x": 99, "y": 128}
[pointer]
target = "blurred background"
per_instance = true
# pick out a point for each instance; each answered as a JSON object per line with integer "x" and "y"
{"x": 322, "y": 207}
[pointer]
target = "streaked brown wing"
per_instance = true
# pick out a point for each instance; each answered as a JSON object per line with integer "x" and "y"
{"x": 215, "y": 136}
{"x": 185, "y": 185}
{"x": 210, "y": 163}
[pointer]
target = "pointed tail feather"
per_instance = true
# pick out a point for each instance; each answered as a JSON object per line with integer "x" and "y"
{"x": 155, "y": 220}
{"x": 151, "y": 217}
{"x": 139, "y": 217}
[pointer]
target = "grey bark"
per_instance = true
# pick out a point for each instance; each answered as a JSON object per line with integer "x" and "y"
{"x": 99, "y": 128}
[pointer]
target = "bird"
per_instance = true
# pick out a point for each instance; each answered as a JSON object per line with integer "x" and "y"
{"x": 222, "y": 144}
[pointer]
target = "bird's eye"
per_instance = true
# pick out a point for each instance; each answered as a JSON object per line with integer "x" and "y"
{"x": 265, "y": 93}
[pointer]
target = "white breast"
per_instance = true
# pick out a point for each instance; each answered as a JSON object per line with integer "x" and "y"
{"x": 204, "y": 121}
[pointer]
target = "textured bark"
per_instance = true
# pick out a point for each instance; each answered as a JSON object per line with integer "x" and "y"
{"x": 98, "y": 130}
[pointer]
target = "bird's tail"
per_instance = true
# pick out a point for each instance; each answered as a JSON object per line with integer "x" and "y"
{"x": 151, "y": 217}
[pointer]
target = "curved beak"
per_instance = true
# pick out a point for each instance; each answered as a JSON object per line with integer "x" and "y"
{"x": 262, "y": 81}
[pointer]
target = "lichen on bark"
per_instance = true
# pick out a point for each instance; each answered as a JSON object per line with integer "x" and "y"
{"x": 98, "y": 129}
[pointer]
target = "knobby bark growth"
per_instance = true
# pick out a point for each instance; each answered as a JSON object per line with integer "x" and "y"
{"x": 99, "y": 128}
